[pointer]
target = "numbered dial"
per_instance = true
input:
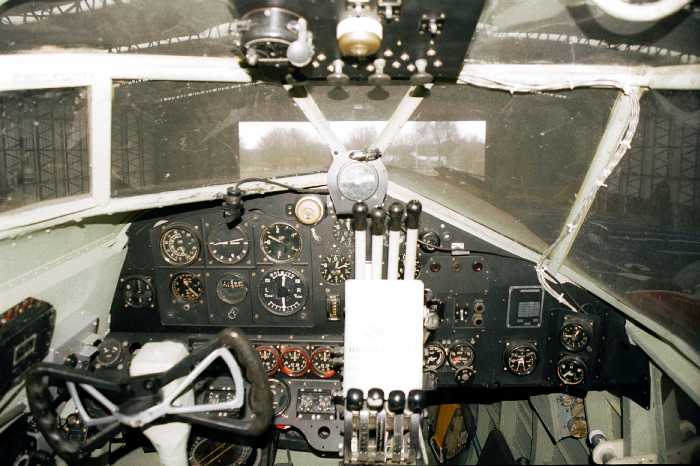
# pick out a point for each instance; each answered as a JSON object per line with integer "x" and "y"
{"x": 280, "y": 396}
{"x": 270, "y": 358}
{"x": 137, "y": 292}
{"x": 179, "y": 245}
{"x": 461, "y": 355}
{"x": 232, "y": 289}
{"x": 295, "y": 362}
{"x": 433, "y": 357}
{"x": 186, "y": 287}
{"x": 521, "y": 360}
{"x": 322, "y": 362}
{"x": 110, "y": 353}
{"x": 402, "y": 267}
{"x": 574, "y": 337}
{"x": 343, "y": 232}
{"x": 335, "y": 269}
{"x": 571, "y": 370}
{"x": 227, "y": 245}
{"x": 280, "y": 242}
{"x": 282, "y": 292}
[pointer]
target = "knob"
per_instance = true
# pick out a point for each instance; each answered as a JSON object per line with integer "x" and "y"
{"x": 416, "y": 401}
{"x": 413, "y": 210}
{"x": 421, "y": 76}
{"x": 464, "y": 375}
{"x": 337, "y": 77}
{"x": 379, "y": 77}
{"x": 378, "y": 217}
{"x": 397, "y": 401}
{"x": 353, "y": 400}
{"x": 375, "y": 399}
{"x": 301, "y": 51}
{"x": 395, "y": 216}
{"x": 359, "y": 216}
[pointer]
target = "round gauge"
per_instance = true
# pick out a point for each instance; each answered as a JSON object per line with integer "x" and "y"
{"x": 464, "y": 375}
{"x": 186, "y": 287}
{"x": 418, "y": 265}
{"x": 280, "y": 396}
{"x": 521, "y": 359}
{"x": 280, "y": 242}
{"x": 179, "y": 245}
{"x": 207, "y": 452}
{"x": 343, "y": 232}
{"x": 460, "y": 355}
{"x": 571, "y": 370}
{"x": 322, "y": 362}
{"x": 137, "y": 292}
{"x": 433, "y": 357}
{"x": 574, "y": 337}
{"x": 335, "y": 269}
{"x": 109, "y": 354}
{"x": 295, "y": 361}
{"x": 270, "y": 358}
{"x": 282, "y": 292}
{"x": 232, "y": 289}
{"x": 227, "y": 245}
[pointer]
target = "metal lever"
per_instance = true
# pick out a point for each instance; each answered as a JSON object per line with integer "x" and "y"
{"x": 378, "y": 227}
{"x": 359, "y": 213}
{"x": 413, "y": 211}
{"x": 395, "y": 218}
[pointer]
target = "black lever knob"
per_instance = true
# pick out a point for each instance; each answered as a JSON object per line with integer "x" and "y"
{"x": 359, "y": 216}
{"x": 413, "y": 210}
{"x": 395, "y": 216}
{"x": 397, "y": 401}
{"x": 378, "y": 217}
{"x": 416, "y": 401}
{"x": 375, "y": 398}
{"x": 353, "y": 400}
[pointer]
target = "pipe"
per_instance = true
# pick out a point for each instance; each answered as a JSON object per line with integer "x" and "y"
{"x": 378, "y": 217}
{"x": 395, "y": 218}
{"x": 359, "y": 213}
{"x": 413, "y": 210}
{"x": 641, "y": 13}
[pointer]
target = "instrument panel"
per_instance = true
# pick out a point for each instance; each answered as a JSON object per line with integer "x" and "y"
{"x": 190, "y": 272}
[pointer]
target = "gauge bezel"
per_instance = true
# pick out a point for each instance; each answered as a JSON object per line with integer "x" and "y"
{"x": 443, "y": 357}
{"x": 316, "y": 372}
{"x": 213, "y": 229}
{"x": 586, "y": 333}
{"x": 286, "y": 370}
{"x": 453, "y": 347}
{"x": 149, "y": 283}
{"x": 577, "y": 360}
{"x": 180, "y": 299}
{"x": 322, "y": 261}
{"x": 229, "y": 276}
{"x": 280, "y": 410}
{"x": 514, "y": 347}
{"x": 182, "y": 226}
{"x": 261, "y": 285}
{"x": 265, "y": 228}
{"x": 276, "y": 353}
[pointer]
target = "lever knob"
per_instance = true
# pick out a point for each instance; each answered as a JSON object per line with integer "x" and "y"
{"x": 397, "y": 401}
{"x": 416, "y": 401}
{"x": 395, "y": 216}
{"x": 375, "y": 398}
{"x": 353, "y": 400}
{"x": 378, "y": 217}
{"x": 413, "y": 211}
{"x": 359, "y": 215}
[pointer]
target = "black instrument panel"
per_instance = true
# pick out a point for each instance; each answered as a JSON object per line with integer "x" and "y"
{"x": 281, "y": 280}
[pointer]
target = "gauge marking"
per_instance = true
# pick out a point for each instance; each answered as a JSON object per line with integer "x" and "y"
{"x": 343, "y": 232}
{"x": 571, "y": 370}
{"x": 186, "y": 287}
{"x": 433, "y": 357}
{"x": 232, "y": 289}
{"x": 335, "y": 269}
{"x": 322, "y": 364}
{"x": 574, "y": 337}
{"x": 227, "y": 245}
{"x": 282, "y": 292}
{"x": 521, "y": 360}
{"x": 460, "y": 355}
{"x": 137, "y": 292}
{"x": 270, "y": 358}
{"x": 295, "y": 361}
{"x": 280, "y": 242}
{"x": 179, "y": 245}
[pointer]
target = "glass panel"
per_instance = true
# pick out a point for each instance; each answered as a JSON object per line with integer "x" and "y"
{"x": 43, "y": 146}
{"x": 642, "y": 238}
{"x": 172, "y": 135}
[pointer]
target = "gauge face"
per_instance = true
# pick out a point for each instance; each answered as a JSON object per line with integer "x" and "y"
{"x": 461, "y": 355}
{"x": 186, "y": 287}
{"x": 571, "y": 370}
{"x": 227, "y": 245}
{"x": 282, "y": 292}
{"x": 270, "y": 358}
{"x": 574, "y": 337}
{"x": 343, "y": 232}
{"x": 521, "y": 360}
{"x": 322, "y": 362}
{"x": 280, "y": 242}
{"x": 109, "y": 354}
{"x": 335, "y": 269}
{"x": 232, "y": 289}
{"x": 137, "y": 292}
{"x": 179, "y": 245}
{"x": 295, "y": 362}
{"x": 433, "y": 357}
{"x": 402, "y": 268}
{"x": 280, "y": 396}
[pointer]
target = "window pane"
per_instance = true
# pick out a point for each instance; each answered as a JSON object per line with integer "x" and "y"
{"x": 43, "y": 146}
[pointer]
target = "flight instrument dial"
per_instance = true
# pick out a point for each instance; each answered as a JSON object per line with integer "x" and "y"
{"x": 574, "y": 336}
{"x": 571, "y": 370}
{"x": 227, "y": 245}
{"x": 295, "y": 361}
{"x": 187, "y": 287}
{"x": 322, "y": 363}
{"x": 460, "y": 355}
{"x": 270, "y": 358}
{"x": 179, "y": 245}
{"x": 282, "y": 292}
{"x": 521, "y": 359}
{"x": 280, "y": 242}
{"x": 335, "y": 269}
{"x": 433, "y": 357}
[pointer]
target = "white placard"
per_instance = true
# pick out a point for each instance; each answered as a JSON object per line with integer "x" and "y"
{"x": 383, "y": 335}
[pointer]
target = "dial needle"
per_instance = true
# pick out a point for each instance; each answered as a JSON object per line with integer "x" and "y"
{"x": 233, "y": 241}
{"x": 275, "y": 239}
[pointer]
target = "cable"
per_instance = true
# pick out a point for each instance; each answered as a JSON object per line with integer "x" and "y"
{"x": 469, "y": 252}
{"x": 293, "y": 189}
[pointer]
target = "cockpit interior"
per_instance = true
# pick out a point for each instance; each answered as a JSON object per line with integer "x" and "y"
{"x": 322, "y": 232}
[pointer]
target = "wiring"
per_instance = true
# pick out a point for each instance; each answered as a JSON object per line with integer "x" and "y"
{"x": 317, "y": 190}
{"x": 469, "y": 252}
